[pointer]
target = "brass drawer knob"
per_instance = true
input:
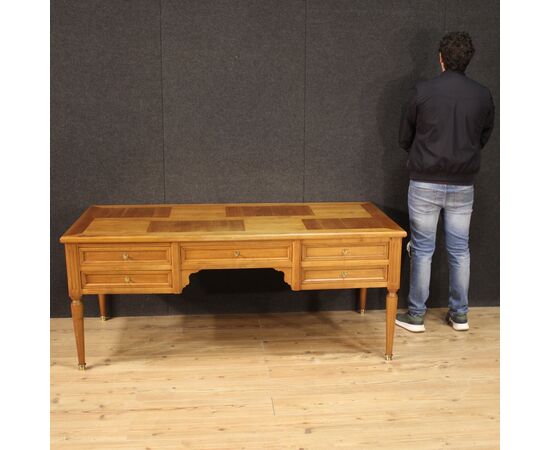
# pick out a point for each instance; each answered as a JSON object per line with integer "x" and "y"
{"x": 127, "y": 279}
{"x": 125, "y": 256}
{"x": 237, "y": 253}
{"x": 344, "y": 274}
{"x": 345, "y": 252}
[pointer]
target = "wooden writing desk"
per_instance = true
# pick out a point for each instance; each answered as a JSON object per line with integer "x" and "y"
{"x": 140, "y": 249}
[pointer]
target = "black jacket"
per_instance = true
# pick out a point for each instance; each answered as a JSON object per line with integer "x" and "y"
{"x": 445, "y": 123}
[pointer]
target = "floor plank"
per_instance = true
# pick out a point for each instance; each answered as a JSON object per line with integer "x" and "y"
{"x": 275, "y": 381}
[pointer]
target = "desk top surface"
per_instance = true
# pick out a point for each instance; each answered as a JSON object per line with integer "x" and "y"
{"x": 230, "y": 221}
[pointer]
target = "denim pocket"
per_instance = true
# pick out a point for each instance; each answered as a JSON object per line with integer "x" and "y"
{"x": 422, "y": 194}
{"x": 464, "y": 196}
{"x": 422, "y": 200}
{"x": 461, "y": 201}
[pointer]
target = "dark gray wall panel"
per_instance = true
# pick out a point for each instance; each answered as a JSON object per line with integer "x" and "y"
{"x": 233, "y": 100}
{"x": 106, "y": 118}
{"x": 362, "y": 57}
{"x": 481, "y": 20}
{"x": 233, "y": 90}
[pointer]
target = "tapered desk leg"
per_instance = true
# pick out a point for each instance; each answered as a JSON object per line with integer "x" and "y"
{"x": 362, "y": 300}
{"x": 77, "y": 311}
{"x": 391, "y": 310}
{"x": 103, "y": 306}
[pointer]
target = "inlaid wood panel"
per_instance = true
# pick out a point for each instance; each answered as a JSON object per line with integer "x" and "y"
{"x": 273, "y": 210}
{"x": 196, "y": 225}
{"x": 134, "y": 212}
{"x": 342, "y": 224}
{"x": 339, "y": 209}
{"x": 115, "y": 228}
{"x": 370, "y": 208}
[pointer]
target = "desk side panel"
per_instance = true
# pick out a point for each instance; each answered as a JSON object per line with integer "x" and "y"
{"x": 73, "y": 272}
{"x": 394, "y": 273}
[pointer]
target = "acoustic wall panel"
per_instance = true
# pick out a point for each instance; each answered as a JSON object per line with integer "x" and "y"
{"x": 106, "y": 119}
{"x": 233, "y": 90}
{"x": 233, "y": 84}
{"x": 481, "y": 20}
{"x": 362, "y": 58}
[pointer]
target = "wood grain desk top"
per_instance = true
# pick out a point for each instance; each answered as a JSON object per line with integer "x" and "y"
{"x": 229, "y": 221}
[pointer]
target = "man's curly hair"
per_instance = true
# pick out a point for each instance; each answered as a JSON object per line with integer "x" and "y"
{"x": 457, "y": 49}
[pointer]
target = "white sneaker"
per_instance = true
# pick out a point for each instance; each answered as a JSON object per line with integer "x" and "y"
{"x": 414, "y": 324}
{"x": 459, "y": 322}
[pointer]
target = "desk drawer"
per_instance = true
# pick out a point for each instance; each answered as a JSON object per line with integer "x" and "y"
{"x": 236, "y": 252}
{"x": 353, "y": 274}
{"x": 124, "y": 255}
{"x": 127, "y": 279}
{"x": 315, "y": 251}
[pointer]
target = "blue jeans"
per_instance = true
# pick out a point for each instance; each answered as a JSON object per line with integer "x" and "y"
{"x": 426, "y": 200}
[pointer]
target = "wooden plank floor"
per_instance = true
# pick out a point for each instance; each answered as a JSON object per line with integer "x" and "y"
{"x": 275, "y": 381}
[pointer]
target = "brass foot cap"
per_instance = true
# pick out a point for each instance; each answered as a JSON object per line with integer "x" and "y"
{"x": 389, "y": 357}
{"x": 104, "y": 318}
{"x": 82, "y": 367}
{"x": 362, "y": 312}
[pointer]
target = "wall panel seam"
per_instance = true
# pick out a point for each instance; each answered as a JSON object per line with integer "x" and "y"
{"x": 445, "y": 16}
{"x": 305, "y": 90}
{"x": 162, "y": 104}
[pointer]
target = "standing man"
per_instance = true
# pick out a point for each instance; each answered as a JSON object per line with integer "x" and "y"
{"x": 445, "y": 124}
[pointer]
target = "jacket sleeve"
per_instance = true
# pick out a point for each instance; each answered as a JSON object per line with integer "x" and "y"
{"x": 489, "y": 123}
{"x": 407, "y": 128}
